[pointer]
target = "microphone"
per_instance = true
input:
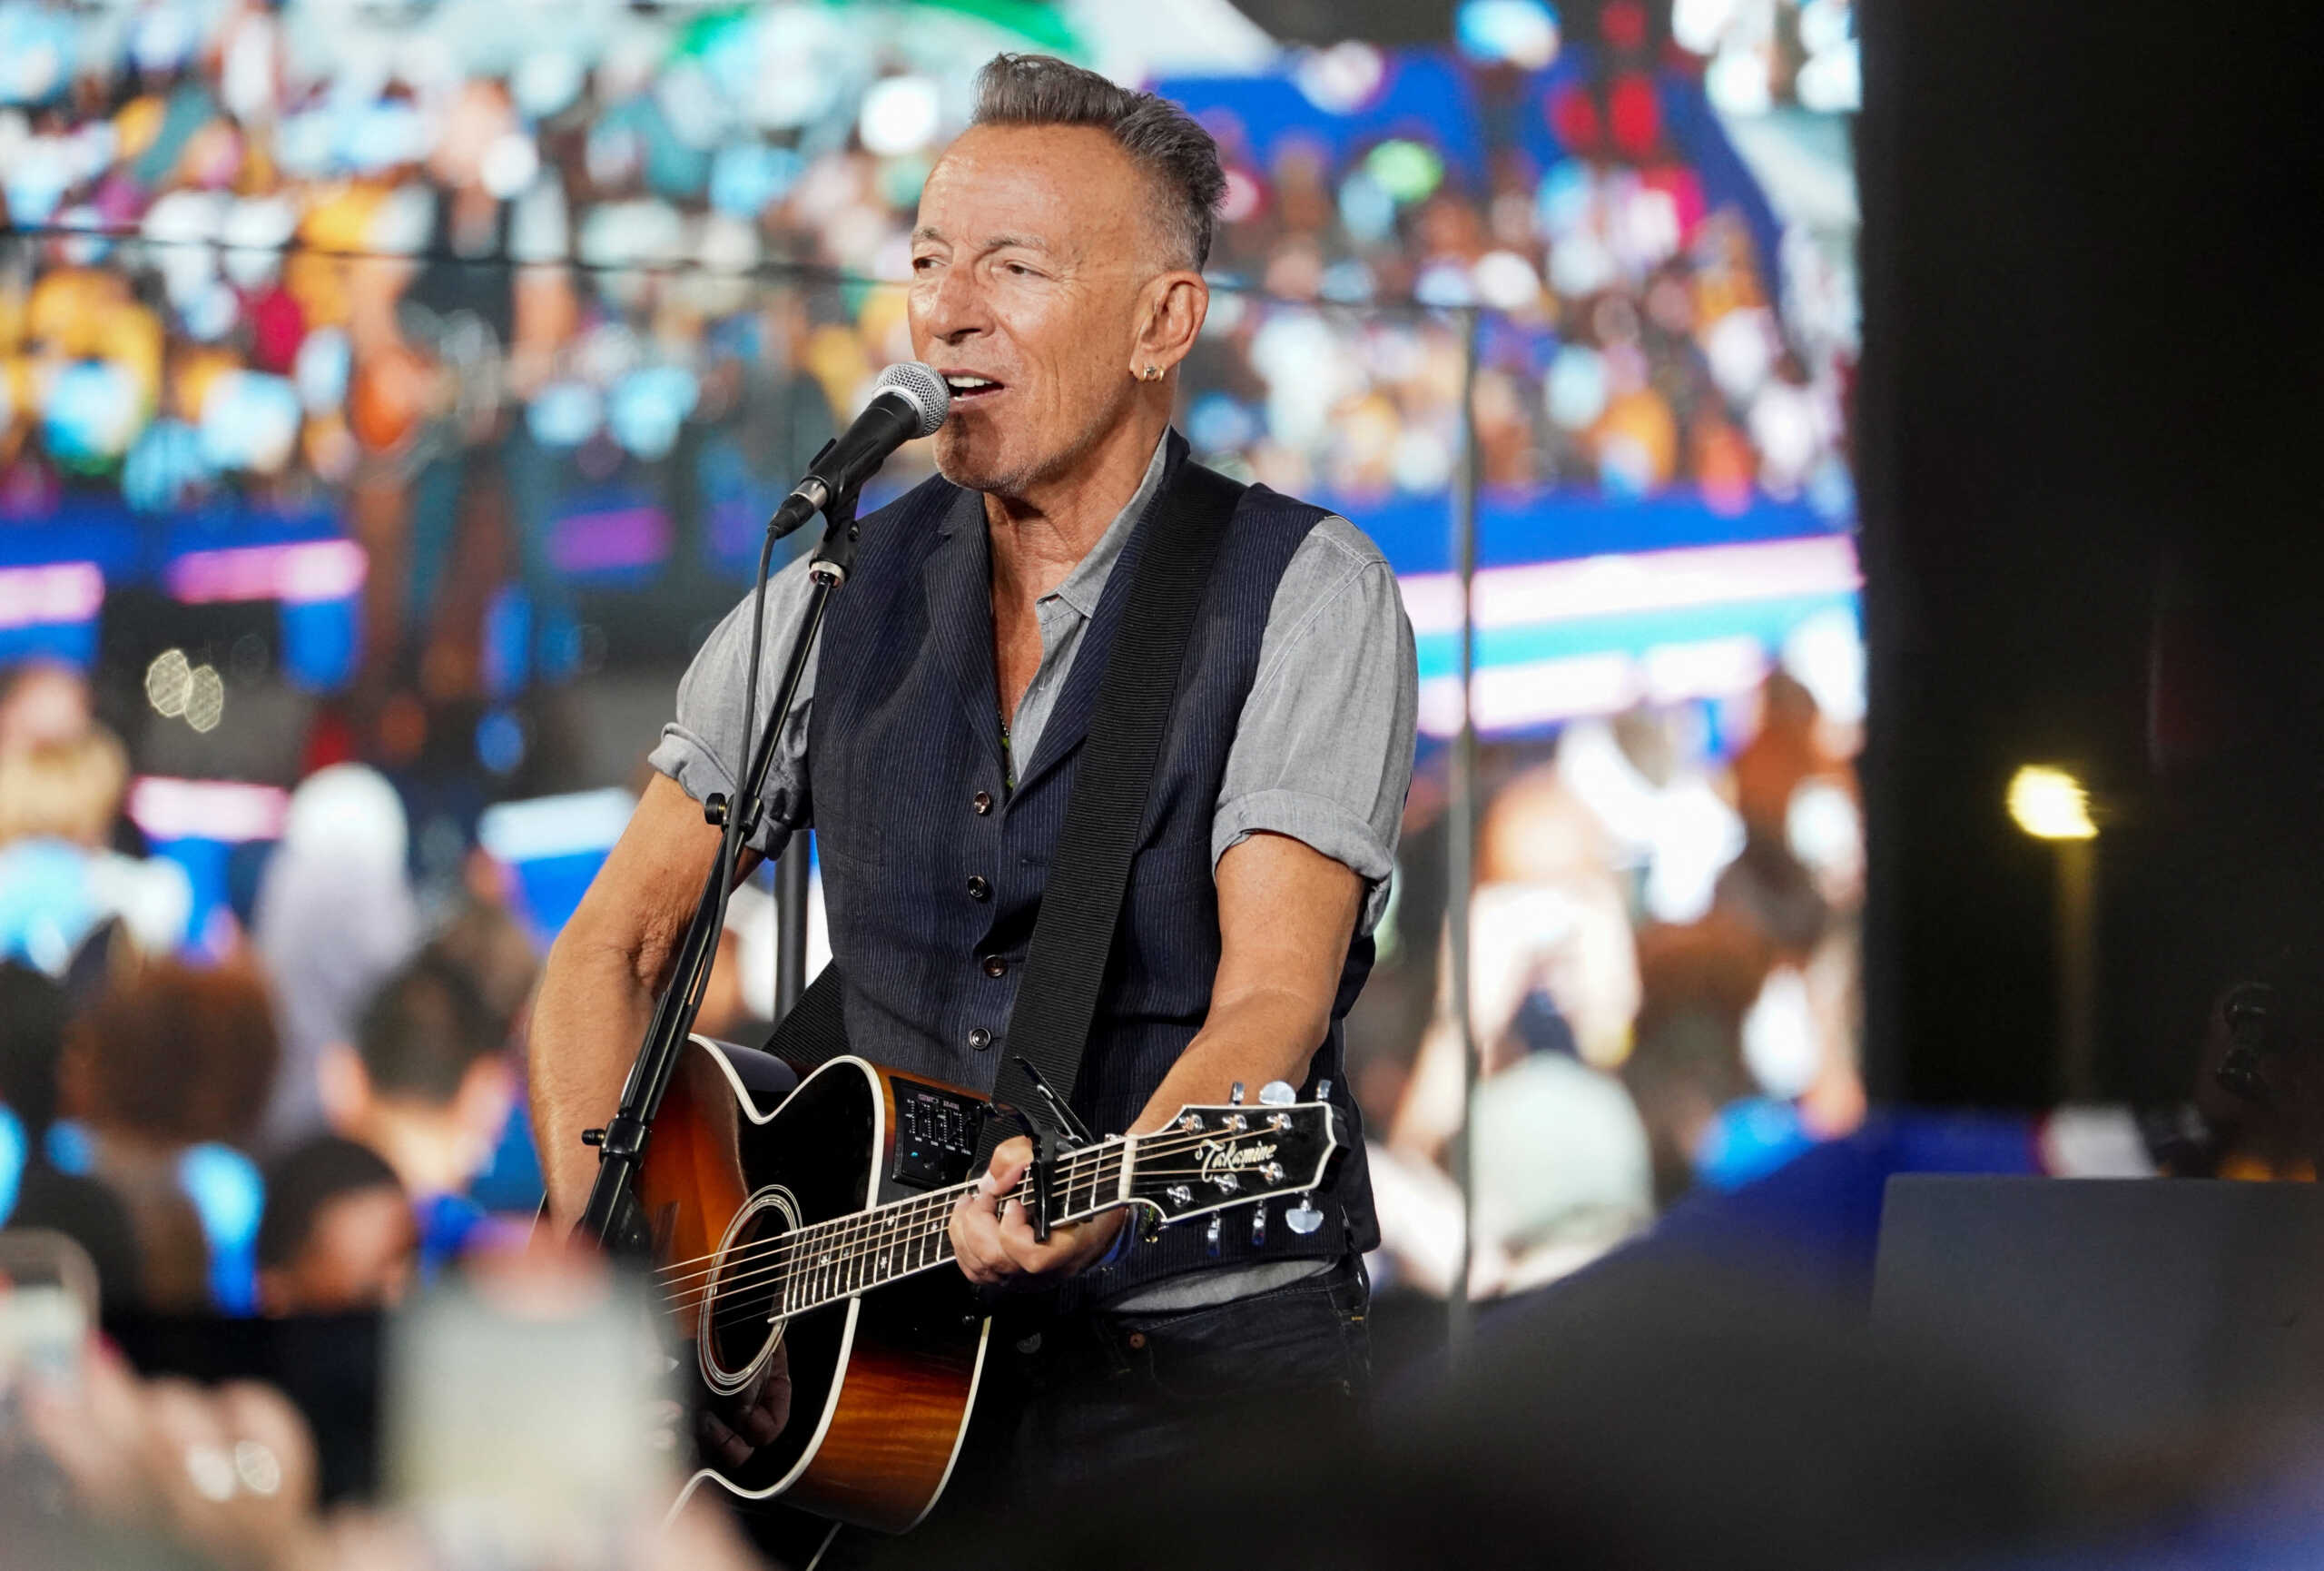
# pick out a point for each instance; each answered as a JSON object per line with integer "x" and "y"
{"x": 911, "y": 401}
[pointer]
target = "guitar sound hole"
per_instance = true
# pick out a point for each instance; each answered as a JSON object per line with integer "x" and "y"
{"x": 735, "y": 1335}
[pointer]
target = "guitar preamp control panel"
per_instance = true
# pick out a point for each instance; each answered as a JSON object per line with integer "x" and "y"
{"x": 936, "y": 1134}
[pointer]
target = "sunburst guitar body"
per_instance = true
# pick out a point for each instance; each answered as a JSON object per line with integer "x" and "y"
{"x": 833, "y": 1347}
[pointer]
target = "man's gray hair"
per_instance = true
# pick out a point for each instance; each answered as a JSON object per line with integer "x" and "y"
{"x": 1162, "y": 139}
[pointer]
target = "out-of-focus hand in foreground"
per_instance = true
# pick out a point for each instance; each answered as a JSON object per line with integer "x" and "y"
{"x": 229, "y": 1473}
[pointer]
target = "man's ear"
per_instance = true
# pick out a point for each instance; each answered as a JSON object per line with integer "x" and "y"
{"x": 342, "y": 1085}
{"x": 1171, "y": 308}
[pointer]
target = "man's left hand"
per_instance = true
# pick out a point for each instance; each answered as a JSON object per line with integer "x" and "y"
{"x": 992, "y": 1237}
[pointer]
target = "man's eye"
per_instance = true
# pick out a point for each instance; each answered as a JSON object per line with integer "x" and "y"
{"x": 922, "y": 263}
{"x": 1018, "y": 269}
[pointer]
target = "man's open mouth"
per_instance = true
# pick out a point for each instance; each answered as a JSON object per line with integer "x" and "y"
{"x": 966, "y": 386}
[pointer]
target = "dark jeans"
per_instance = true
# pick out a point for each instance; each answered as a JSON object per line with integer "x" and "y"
{"x": 1071, "y": 1402}
{"x": 1101, "y": 1394}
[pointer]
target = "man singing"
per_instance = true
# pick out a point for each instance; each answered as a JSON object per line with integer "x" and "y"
{"x": 1056, "y": 285}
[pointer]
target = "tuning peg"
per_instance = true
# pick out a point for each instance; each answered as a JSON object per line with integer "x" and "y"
{"x": 1235, "y": 1096}
{"x": 1210, "y": 1234}
{"x": 1277, "y": 1093}
{"x": 1303, "y": 1217}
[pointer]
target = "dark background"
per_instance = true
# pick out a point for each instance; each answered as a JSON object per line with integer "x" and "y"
{"x": 2089, "y": 409}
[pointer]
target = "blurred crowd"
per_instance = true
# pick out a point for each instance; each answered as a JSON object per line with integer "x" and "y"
{"x": 519, "y": 309}
{"x": 309, "y": 1105}
{"x": 441, "y": 277}
{"x": 1664, "y": 985}
{"x": 1663, "y": 991}
{"x": 297, "y": 1122}
{"x": 523, "y": 308}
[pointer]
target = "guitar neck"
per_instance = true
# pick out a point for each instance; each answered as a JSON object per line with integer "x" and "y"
{"x": 824, "y": 1263}
{"x": 1205, "y": 1161}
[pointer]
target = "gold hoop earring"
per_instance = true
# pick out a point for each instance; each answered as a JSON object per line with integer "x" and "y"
{"x": 1151, "y": 373}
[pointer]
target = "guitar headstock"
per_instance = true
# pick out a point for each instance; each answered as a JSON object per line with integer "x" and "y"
{"x": 1209, "y": 1157}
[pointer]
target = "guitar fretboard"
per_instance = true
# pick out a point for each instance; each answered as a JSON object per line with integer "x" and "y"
{"x": 824, "y": 1263}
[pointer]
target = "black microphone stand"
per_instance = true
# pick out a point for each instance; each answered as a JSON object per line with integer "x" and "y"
{"x": 611, "y": 1217}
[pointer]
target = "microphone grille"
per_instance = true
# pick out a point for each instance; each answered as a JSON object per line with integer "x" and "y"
{"x": 925, "y": 389}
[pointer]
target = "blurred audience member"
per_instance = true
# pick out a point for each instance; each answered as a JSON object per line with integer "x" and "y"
{"x": 487, "y": 944}
{"x": 485, "y": 939}
{"x": 335, "y": 917}
{"x": 34, "y": 1193}
{"x": 167, "y": 1074}
{"x": 428, "y": 1086}
{"x": 1685, "y": 1062}
{"x": 58, "y": 877}
{"x": 1560, "y": 1162}
{"x": 1552, "y": 969}
{"x": 1562, "y": 1175}
{"x": 1786, "y": 752}
{"x": 338, "y": 1233}
{"x": 42, "y": 702}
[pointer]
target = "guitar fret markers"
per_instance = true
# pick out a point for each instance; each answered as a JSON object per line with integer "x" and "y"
{"x": 828, "y": 1262}
{"x": 824, "y": 1263}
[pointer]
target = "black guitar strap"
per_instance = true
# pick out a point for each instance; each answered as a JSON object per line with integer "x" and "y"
{"x": 1065, "y": 966}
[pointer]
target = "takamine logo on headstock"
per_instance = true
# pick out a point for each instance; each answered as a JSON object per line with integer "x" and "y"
{"x": 1214, "y": 1156}
{"x": 1209, "y": 1159}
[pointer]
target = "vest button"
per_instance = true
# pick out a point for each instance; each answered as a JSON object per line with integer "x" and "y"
{"x": 979, "y": 887}
{"x": 995, "y": 966}
{"x": 979, "y": 1039}
{"x": 982, "y": 802}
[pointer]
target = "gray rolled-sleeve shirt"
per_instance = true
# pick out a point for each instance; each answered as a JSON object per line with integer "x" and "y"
{"x": 1323, "y": 751}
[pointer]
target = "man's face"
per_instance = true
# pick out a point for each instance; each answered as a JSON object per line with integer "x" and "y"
{"x": 1032, "y": 247}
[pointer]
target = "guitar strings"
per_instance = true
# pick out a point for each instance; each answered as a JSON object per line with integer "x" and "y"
{"x": 1076, "y": 1160}
{"x": 839, "y": 1238}
{"x": 1082, "y": 1167}
{"x": 842, "y": 1234}
{"x": 767, "y": 1297}
{"x": 753, "y": 1295}
{"x": 839, "y": 1272}
{"x": 897, "y": 1222}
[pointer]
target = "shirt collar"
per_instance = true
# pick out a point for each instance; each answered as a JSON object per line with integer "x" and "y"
{"x": 1087, "y": 582}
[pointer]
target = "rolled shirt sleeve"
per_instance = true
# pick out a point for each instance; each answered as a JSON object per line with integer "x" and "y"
{"x": 702, "y": 749}
{"x": 1324, "y": 748}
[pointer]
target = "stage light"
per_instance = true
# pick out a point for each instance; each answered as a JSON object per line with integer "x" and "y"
{"x": 2050, "y": 805}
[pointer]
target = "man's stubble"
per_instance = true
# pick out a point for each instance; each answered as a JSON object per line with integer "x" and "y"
{"x": 1014, "y": 480}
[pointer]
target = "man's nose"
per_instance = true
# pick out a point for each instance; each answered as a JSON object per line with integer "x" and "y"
{"x": 955, "y": 306}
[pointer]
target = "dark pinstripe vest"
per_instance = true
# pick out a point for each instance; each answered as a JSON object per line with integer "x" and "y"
{"x": 932, "y": 873}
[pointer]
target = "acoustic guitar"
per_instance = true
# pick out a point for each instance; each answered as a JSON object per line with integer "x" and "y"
{"x": 803, "y": 1250}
